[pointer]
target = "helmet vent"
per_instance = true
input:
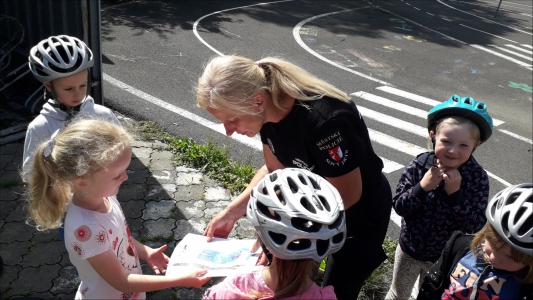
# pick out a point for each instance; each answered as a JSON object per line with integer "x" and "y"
{"x": 279, "y": 194}
{"x": 512, "y": 198}
{"x": 307, "y": 205}
{"x": 302, "y": 179}
{"x": 292, "y": 185}
{"x": 273, "y": 177}
{"x": 278, "y": 238}
{"x": 455, "y": 99}
{"x": 305, "y": 225}
{"x": 338, "y": 238}
{"x": 467, "y": 101}
{"x": 314, "y": 183}
{"x": 322, "y": 246}
{"x": 324, "y": 202}
{"x": 481, "y": 106}
{"x": 301, "y": 244}
{"x": 337, "y": 222}
{"x": 268, "y": 212}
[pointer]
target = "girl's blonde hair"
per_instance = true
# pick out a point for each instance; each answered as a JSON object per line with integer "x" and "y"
{"x": 293, "y": 276}
{"x": 488, "y": 233}
{"x": 456, "y": 120}
{"x": 79, "y": 150}
{"x": 229, "y": 83}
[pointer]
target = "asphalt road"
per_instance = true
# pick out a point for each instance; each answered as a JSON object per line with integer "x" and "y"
{"x": 397, "y": 63}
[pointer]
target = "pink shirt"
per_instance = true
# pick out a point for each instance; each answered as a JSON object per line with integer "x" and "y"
{"x": 237, "y": 287}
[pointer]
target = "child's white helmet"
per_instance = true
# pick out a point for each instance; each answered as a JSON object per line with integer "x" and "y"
{"x": 510, "y": 212}
{"x": 297, "y": 215}
{"x": 59, "y": 56}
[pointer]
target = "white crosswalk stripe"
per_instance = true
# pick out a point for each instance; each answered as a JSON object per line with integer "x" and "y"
{"x": 507, "y": 51}
{"x": 421, "y": 105}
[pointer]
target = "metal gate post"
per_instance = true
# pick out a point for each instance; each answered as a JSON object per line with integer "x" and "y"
{"x": 92, "y": 34}
{"x": 497, "y": 8}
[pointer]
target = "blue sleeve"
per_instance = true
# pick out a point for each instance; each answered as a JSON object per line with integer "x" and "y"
{"x": 409, "y": 194}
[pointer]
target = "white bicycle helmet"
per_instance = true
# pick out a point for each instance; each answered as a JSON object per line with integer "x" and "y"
{"x": 510, "y": 212}
{"x": 298, "y": 215}
{"x": 59, "y": 56}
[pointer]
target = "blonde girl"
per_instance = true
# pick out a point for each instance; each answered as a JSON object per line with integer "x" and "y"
{"x": 440, "y": 191}
{"x": 299, "y": 217}
{"x": 79, "y": 172}
{"x": 497, "y": 262}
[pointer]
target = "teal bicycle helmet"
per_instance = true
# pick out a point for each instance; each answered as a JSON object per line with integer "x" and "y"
{"x": 463, "y": 107}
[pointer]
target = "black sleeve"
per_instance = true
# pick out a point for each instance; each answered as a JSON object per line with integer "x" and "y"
{"x": 438, "y": 276}
{"x": 337, "y": 147}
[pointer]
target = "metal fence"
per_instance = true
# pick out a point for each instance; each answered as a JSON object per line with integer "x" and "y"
{"x": 40, "y": 19}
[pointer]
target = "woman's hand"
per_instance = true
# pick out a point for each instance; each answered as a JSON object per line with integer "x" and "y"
{"x": 452, "y": 179}
{"x": 221, "y": 224}
{"x": 157, "y": 260}
{"x": 432, "y": 178}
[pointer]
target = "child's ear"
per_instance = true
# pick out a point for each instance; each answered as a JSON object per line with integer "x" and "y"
{"x": 431, "y": 134}
{"x": 80, "y": 184}
{"x": 48, "y": 86}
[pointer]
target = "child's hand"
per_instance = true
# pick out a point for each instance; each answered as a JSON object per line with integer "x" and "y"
{"x": 157, "y": 260}
{"x": 432, "y": 178}
{"x": 452, "y": 179}
{"x": 194, "y": 279}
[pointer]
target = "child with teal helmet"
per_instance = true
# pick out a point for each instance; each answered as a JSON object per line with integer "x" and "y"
{"x": 441, "y": 191}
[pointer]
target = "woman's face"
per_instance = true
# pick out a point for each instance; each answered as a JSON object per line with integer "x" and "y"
{"x": 248, "y": 125}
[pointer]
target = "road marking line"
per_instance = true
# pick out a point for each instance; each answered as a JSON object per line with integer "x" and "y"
{"x": 390, "y": 166}
{"x": 408, "y": 95}
{"x": 430, "y": 14}
{"x": 394, "y": 143}
{"x": 440, "y": 1}
{"x": 488, "y": 33}
{"x": 516, "y": 61}
{"x": 424, "y": 100}
{"x": 252, "y": 142}
{"x": 529, "y": 67}
{"x": 195, "y": 26}
{"x": 519, "y": 49}
{"x": 392, "y": 121}
{"x": 525, "y": 139}
{"x": 512, "y": 52}
{"x": 392, "y": 104}
{"x": 296, "y": 34}
{"x": 527, "y": 46}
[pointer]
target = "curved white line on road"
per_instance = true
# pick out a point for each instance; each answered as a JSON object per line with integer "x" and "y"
{"x": 195, "y": 26}
{"x": 514, "y": 28}
{"x": 296, "y": 34}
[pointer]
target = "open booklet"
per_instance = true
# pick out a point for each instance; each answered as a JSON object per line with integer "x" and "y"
{"x": 221, "y": 257}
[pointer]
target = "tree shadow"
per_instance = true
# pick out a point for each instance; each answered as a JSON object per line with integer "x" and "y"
{"x": 165, "y": 17}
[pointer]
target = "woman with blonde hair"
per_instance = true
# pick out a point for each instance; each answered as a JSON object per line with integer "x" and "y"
{"x": 304, "y": 123}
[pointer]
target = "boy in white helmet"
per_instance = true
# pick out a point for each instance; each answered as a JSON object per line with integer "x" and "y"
{"x": 497, "y": 262}
{"x": 62, "y": 64}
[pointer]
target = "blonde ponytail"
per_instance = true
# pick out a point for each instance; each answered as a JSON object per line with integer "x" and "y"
{"x": 229, "y": 83}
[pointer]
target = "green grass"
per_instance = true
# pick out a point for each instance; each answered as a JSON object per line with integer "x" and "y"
{"x": 8, "y": 184}
{"x": 377, "y": 285}
{"x": 209, "y": 158}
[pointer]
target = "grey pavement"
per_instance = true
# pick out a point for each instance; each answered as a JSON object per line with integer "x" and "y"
{"x": 162, "y": 203}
